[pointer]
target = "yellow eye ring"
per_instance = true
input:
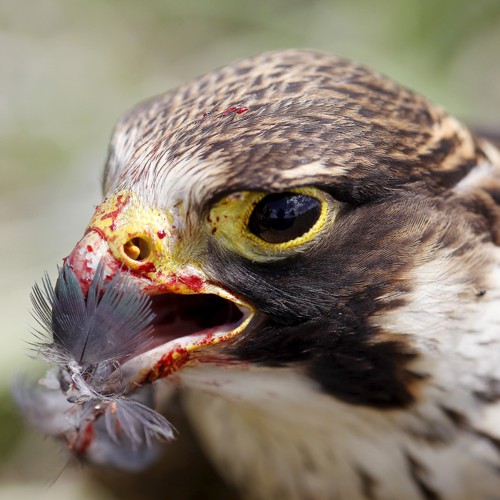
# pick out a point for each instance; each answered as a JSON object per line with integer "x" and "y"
{"x": 289, "y": 233}
{"x": 230, "y": 218}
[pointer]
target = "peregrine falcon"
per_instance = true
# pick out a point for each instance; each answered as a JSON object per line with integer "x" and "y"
{"x": 321, "y": 250}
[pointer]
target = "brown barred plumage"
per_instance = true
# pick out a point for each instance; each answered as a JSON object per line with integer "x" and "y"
{"x": 370, "y": 365}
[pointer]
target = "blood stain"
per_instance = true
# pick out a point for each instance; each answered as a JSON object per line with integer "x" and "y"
{"x": 193, "y": 282}
{"x": 168, "y": 364}
{"x": 147, "y": 267}
{"x": 81, "y": 443}
{"x": 121, "y": 201}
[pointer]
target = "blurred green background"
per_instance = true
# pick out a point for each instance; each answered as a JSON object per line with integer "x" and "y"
{"x": 70, "y": 68}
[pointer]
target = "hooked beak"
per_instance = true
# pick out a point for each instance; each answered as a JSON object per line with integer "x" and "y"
{"x": 192, "y": 314}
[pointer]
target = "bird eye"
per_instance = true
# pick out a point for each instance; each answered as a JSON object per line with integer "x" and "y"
{"x": 282, "y": 217}
{"x": 265, "y": 227}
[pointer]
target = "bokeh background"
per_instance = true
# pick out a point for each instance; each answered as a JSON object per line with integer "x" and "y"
{"x": 70, "y": 68}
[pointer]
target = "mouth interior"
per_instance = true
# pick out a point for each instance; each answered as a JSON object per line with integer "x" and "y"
{"x": 180, "y": 315}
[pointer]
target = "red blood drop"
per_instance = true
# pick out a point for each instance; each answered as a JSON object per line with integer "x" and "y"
{"x": 241, "y": 110}
{"x": 89, "y": 248}
{"x": 228, "y": 111}
{"x": 161, "y": 234}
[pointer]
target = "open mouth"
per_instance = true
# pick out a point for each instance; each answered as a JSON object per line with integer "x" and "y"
{"x": 179, "y": 315}
{"x": 183, "y": 324}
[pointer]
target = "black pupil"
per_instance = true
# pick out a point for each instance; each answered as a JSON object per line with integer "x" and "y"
{"x": 282, "y": 217}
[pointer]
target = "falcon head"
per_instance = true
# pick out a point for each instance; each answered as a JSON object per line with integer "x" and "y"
{"x": 320, "y": 246}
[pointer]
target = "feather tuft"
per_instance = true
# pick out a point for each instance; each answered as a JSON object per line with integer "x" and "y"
{"x": 88, "y": 338}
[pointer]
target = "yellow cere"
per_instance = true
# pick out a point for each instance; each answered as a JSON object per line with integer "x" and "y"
{"x": 229, "y": 219}
{"x": 136, "y": 234}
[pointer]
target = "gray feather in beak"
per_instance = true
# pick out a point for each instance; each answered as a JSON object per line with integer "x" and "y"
{"x": 87, "y": 339}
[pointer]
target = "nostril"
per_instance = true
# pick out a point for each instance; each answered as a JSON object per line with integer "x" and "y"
{"x": 137, "y": 248}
